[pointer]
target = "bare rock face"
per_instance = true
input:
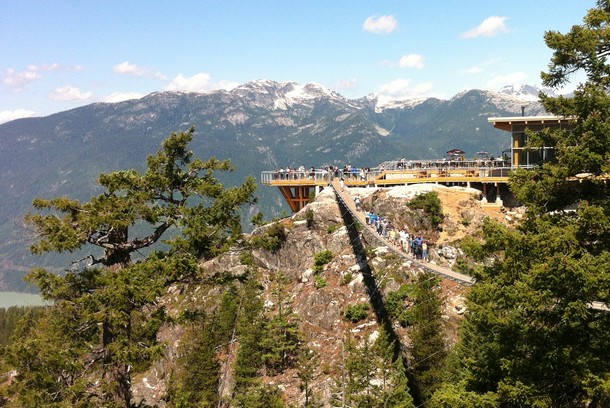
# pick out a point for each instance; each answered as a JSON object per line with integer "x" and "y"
{"x": 449, "y": 252}
{"x": 318, "y": 298}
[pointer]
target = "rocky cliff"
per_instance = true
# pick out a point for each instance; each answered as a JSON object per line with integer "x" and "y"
{"x": 360, "y": 272}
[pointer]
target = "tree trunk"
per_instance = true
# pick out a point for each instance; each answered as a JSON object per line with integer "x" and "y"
{"x": 117, "y": 255}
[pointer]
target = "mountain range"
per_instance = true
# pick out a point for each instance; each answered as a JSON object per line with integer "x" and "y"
{"x": 260, "y": 125}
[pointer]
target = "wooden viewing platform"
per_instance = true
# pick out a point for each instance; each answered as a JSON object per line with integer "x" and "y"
{"x": 297, "y": 186}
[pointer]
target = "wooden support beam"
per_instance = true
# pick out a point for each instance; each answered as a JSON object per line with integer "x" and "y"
{"x": 297, "y": 197}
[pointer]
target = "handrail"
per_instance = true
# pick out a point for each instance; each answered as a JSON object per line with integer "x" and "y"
{"x": 345, "y": 198}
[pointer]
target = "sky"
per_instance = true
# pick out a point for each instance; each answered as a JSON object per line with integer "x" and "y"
{"x": 58, "y": 55}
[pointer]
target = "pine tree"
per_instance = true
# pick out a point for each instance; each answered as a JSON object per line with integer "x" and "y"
{"x": 200, "y": 368}
{"x": 104, "y": 319}
{"x": 282, "y": 340}
{"x": 307, "y": 363}
{"x": 530, "y": 337}
{"x": 251, "y": 331}
{"x": 395, "y": 391}
{"x": 428, "y": 349}
{"x": 360, "y": 367}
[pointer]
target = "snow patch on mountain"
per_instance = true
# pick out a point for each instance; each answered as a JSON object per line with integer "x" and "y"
{"x": 283, "y": 95}
{"x": 384, "y": 103}
{"x": 527, "y": 92}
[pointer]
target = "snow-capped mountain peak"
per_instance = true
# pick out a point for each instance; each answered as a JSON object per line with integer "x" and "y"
{"x": 281, "y": 95}
{"x": 526, "y": 92}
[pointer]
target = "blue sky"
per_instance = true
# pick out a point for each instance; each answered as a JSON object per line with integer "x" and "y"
{"x": 57, "y": 55}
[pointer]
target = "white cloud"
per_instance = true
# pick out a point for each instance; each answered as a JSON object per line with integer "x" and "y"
{"x": 490, "y": 27}
{"x": 200, "y": 82}
{"x": 346, "y": 84}
{"x": 411, "y": 61}
{"x": 121, "y": 96}
{"x": 472, "y": 70}
{"x": 17, "y": 80}
{"x": 197, "y": 83}
{"x": 7, "y": 116}
{"x": 514, "y": 78}
{"x": 44, "y": 67}
{"x": 228, "y": 85}
{"x": 69, "y": 93}
{"x": 401, "y": 89}
{"x": 380, "y": 24}
{"x": 127, "y": 68}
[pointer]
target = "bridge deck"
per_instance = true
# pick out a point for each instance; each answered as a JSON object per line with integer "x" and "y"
{"x": 346, "y": 199}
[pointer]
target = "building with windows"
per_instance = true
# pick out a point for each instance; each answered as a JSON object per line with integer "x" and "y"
{"x": 520, "y": 156}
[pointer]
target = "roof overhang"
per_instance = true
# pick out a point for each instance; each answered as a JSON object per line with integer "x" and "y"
{"x": 507, "y": 123}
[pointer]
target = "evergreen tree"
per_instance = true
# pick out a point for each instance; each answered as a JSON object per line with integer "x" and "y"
{"x": 251, "y": 331}
{"x": 530, "y": 336}
{"x": 360, "y": 367}
{"x": 200, "y": 368}
{"x": 307, "y": 363}
{"x": 104, "y": 319}
{"x": 282, "y": 339}
{"x": 428, "y": 350}
{"x": 176, "y": 190}
{"x": 395, "y": 391}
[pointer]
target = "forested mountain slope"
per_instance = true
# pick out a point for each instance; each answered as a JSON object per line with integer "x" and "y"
{"x": 260, "y": 126}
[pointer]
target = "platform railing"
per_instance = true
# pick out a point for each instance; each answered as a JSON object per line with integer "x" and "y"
{"x": 425, "y": 168}
{"x": 267, "y": 177}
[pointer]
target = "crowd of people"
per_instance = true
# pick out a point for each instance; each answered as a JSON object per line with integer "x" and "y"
{"x": 448, "y": 163}
{"x": 348, "y": 172}
{"x": 291, "y": 173}
{"x": 414, "y": 245}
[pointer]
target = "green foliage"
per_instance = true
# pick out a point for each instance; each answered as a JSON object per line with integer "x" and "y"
{"x": 9, "y": 319}
{"x": 450, "y": 396}
{"x": 104, "y": 321}
{"x": 320, "y": 259}
{"x": 360, "y": 369}
{"x": 281, "y": 342}
{"x": 530, "y": 337}
{"x": 431, "y": 205}
{"x": 260, "y": 396}
{"x": 272, "y": 239}
{"x": 307, "y": 363}
{"x": 371, "y": 378}
{"x": 176, "y": 190}
{"x": 270, "y": 343}
{"x": 257, "y": 219}
{"x": 397, "y": 305}
{"x": 199, "y": 368}
{"x": 320, "y": 282}
{"x": 246, "y": 258}
{"x": 309, "y": 214}
{"x": 357, "y": 312}
{"x": 347, "y": 278}
{"x": 332, "y": 228}
{"x": 428, "y": 349}
{"x": 251, "y": 331}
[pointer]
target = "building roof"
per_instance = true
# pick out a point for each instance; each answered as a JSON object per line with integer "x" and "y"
{"x": 506, "y": 123}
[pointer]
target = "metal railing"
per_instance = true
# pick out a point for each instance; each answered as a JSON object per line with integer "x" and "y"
{"x": 293, "y": 175}
{"x": 396, "y": 170}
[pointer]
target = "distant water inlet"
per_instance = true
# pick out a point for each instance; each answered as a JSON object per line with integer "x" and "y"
{"x": 8, "y": 299}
